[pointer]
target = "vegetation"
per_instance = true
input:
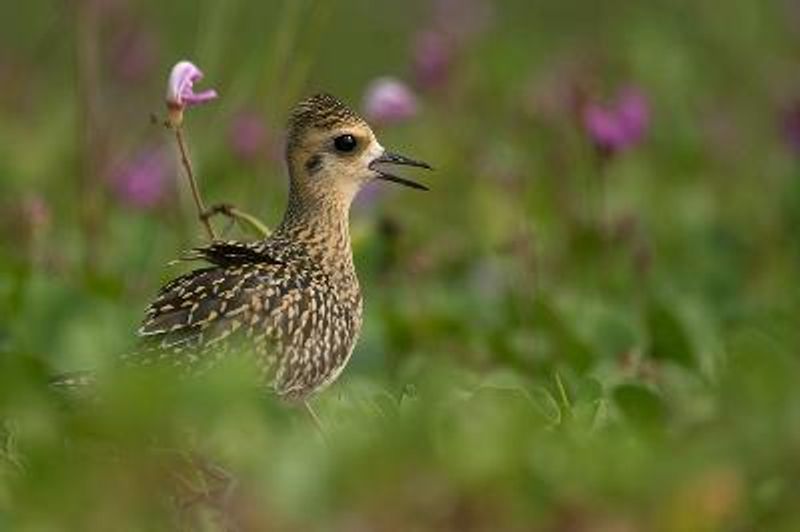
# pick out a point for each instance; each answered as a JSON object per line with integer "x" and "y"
{"x": 589, "y": 323}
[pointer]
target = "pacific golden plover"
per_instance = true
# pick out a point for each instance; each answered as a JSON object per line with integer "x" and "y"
{"x": 292, "y": 299}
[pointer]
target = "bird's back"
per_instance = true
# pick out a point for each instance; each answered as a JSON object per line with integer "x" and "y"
{"x": 268, "y": 299}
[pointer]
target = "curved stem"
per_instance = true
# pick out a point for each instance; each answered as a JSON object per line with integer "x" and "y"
{"x": 244, "y": 219}
{"x": 251, "y": 221}
{"x": 187, "y": 165}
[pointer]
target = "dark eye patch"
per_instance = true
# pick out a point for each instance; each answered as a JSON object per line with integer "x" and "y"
{"x": 313, "y": 164}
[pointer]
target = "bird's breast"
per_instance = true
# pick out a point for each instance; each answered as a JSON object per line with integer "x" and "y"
{"x": 312, "y": 331}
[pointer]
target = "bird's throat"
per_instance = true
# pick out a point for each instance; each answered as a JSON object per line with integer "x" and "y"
{"x": 321, "y": 224}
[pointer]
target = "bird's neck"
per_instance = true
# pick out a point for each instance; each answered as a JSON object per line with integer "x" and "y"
{"x": 320, "y": 223}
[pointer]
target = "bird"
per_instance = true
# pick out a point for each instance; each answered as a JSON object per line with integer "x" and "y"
{"x": 291, "y": 300}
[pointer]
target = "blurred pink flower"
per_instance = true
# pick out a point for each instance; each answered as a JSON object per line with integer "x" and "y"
{"x": 143, "y": 181}
{"x": 604, "y": 127}
{"x": 621, "y": 125}
{"x": 634, "y": 113}
{"x": 433, "y": 54}
{"x": 247, "y": 135}
{"x": 452, "y": 24}
{"x": 389, "y": 100}
{"x": 369, "y": 197}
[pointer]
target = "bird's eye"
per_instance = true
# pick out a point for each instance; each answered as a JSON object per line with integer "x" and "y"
{"x": 345, "y": 143}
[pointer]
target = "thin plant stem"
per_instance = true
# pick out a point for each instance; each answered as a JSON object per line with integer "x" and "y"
{"x": 198, "y": 200}
{"x": 248, "y": 220}
{"x": 244, "y": 219}
{"x": 604, "y": 214}
{"x": 603, "y": 210}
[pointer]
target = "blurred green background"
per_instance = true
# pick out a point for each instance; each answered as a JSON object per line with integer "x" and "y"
{"x": 571, "y": 331}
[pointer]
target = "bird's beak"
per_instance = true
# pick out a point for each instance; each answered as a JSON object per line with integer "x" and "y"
{"x": 379, "y": 164}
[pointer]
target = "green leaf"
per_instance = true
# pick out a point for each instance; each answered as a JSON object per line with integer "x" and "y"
{"x": 546, "y": 404}
{"x": 668, "y": 338}
{"x": 640, "y": 405}
{"x": 566, "y": 342}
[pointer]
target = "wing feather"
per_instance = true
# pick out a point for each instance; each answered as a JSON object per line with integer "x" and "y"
{"x": 195, "y": 317}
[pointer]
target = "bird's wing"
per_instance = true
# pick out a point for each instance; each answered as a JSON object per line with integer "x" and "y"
{"x": 197, "y": 317}
{"x": 232, "y": 253}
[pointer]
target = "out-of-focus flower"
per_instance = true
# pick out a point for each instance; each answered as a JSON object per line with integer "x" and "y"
{"x": 247, "y": 135}
{"x": 434, "y": 50}
{"x": 603, "y": 126}
{"x": 180, "y": 91}
{"x": 143, "y": 181}
{"x": 619, "y": 126}
{"x": 369, "y": 197}
{"x": 388, "y": 100}
{"x": 433, "y": 54}
{"x": 790, "y": 127}
{"x": 634, "y": 113}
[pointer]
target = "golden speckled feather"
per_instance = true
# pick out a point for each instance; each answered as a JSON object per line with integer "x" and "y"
{"x": 268, "y": 299}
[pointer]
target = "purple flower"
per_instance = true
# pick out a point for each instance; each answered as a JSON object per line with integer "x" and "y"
{"x": 619, "y": 126}
{"x": 634, "y": 113}
{"x": 369, "y": 197}
{"x": 247, "y": 135}
{"x": 603, "y": 127}
{"x": 433, "y": 54}
{"x": 142, "y": 182}
{"x": 389, "y": 100}
{"x": 180, "y": 90}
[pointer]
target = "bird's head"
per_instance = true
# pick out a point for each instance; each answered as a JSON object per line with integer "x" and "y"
{"x": 332, "y": 152}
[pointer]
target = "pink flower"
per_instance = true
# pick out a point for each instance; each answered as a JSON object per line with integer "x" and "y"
{"x": 604, "y": 127}
{"x": 142, "y": 182}
{"x": 634, "y": 113}
{"x": 389, "y": 100}
{"x": 180, "y": 90}
{"x": 621, "y": 125}
{"x": 369, "y": 197}
{"x": 433, "y": 54}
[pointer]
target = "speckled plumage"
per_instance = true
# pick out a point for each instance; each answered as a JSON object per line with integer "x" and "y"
{"x": 321, "y": 111}
{"x": 274, "y": 299}
{"x": 291, "y": 300}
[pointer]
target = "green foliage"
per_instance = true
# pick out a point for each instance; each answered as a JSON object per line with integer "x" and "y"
{"x": 554, "y": 339}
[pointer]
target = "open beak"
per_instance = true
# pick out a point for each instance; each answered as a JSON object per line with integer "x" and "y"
{"x": 388, "y": 159}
